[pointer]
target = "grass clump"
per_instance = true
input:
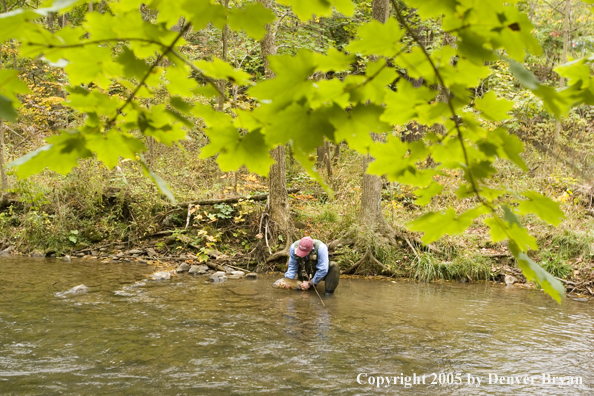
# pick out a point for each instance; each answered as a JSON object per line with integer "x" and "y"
{"x": 430, "y": 268}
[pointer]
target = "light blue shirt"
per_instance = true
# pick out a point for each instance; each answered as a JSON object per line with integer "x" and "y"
{"x": 322, "y": 266}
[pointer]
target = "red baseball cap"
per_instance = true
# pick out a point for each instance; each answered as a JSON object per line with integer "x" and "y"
{"x": 305, "y": 246}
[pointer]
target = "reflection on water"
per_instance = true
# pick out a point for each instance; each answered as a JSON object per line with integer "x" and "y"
{"x": 186, "y": 336}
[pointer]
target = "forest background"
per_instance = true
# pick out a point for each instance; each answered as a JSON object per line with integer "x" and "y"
{"x": 103, "y": 208}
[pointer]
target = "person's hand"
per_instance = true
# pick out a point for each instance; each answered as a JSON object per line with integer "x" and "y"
{"x": 305, "y": 285}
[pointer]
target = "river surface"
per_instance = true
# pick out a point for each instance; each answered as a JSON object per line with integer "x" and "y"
{"x": 185, "y": 336}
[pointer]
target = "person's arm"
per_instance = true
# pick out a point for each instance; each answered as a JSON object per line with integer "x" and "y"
{"x": 293, "y": 266}
{"x": 323, "y": 263}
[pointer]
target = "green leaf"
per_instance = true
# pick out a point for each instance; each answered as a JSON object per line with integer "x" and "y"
{"x": 221, "y": 70}
{"x": 132, "y": 67}
{"x": 501, "y": 230}
{"x": 201, "y": 13}
{"x": 252, "y": 19}
{"x": 553, "y": 102}
{"x": 433, "y": 8}
{"x": 88, "y": 65}
{"x": 305, "y": 9}
{"x": 425, "y": 194}
{"x": 534, "y": 272}
{"x": 437, "y": 224}
{"x": 11, "y": 85}
{"x": 333, "y": 60}
{"x": 493, "y": 108}
{"x": 7, "y": 111}
{"x": 397, "y": 160}
{"x": 375, "y": 38}
{"x": 373, "y": 87}
{"x": 508, "y": 146}
{"x": 57, "y": 6}
{"x": 306, "y": 128}
{"x": 542, "y": 206}
{"x": 110, "y": 147}
{"x": 160, "y": 183}
{"x": 235, "y": 150}
{"x": 61, "y": 155}
{"x": 355, "y": 126}
{"x": 180, "y": 82}
{"x": 402, "y": 105}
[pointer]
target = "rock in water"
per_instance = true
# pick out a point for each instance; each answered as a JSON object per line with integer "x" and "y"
{"x": 238, "y": 273}
{"x": 75, "y": 291}
{"x": 66, "y": 258}
{"x": 510, "y": 280}
{"x": 6, "y": 251}
{"x": 231, "y": 276}
{"x": 184, "y": 267}
{"x": 37, "y": 253}
{"x": 194, "y": 270}
{"x": 198, "y": 269}
{"x": 286, "y": 283}
{"x": 220, "y": 273}
{"x": 251, "y": 275}
{"x": 214, "y": 278}
{"x": 160, "y": 275}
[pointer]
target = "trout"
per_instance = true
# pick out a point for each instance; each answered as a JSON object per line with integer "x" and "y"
{"x": 286, "y": 283}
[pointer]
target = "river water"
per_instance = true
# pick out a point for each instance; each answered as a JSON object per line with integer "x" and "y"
{"x": 185, "y": 336}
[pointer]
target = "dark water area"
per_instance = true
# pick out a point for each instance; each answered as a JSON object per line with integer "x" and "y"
{"x": 185, "y": 336}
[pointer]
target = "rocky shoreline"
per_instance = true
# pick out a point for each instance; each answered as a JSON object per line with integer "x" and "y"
{"x": 218, "y": 269}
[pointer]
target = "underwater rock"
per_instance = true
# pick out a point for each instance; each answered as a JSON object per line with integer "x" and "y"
{"x": 160, "y": 275}
{"x": 251, "y": 276}
{"x": 510, "y": 280}
{"x": 37, "y": 253}
{"x": 214, "y": 278}
{"x": 184, "y": 267}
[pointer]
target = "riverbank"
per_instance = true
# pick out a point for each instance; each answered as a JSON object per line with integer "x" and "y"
{"x": 111, "y": 214}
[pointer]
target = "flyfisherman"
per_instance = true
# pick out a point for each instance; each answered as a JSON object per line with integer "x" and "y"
{"x": 309, "y": 257}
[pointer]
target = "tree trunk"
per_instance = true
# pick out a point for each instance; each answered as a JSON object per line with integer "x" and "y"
{"x": 63, "y": 21}
{"x": 91, "y": 6}
{"x": 321, "y": 154}
{"x": 267, "y": 44}
{"x": 370, "y": 214}
{"x": 380, "y": 10}
{"x": 327, "y": 159}
{"x": 566, "y": 31}
{"x": 225, "y": 40}
{"x": 2, "y": 171}
{"x": 50, "y": 21}
{"x": 279, "y": 198}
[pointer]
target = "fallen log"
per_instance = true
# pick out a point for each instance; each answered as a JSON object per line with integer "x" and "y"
{"x": 206, "y": 202}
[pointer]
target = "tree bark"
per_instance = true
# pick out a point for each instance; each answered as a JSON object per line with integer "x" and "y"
{"x": 2, "y": 171}
{"x": 380, "y": 10}
{"x": 50, "y": 22}
{"x": 370, "y": 213}
{"x": 225, "y": 40}
{"x": 566, "y": 30}
{"x": 90, "y": 6}
{"x": 279, "y": 198}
